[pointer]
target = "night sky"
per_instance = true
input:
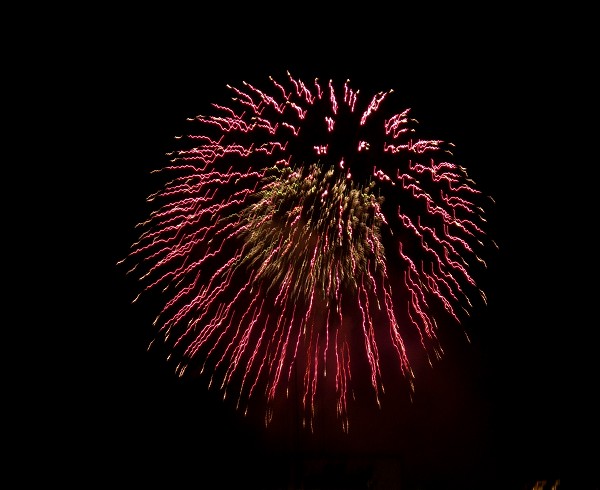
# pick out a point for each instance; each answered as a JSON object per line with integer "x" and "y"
{"x": 511, "y": 408}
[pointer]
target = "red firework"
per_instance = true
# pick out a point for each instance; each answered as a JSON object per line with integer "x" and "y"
{"x": 302, "y": 227}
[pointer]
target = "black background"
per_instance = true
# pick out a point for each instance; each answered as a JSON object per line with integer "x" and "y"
{"x": 514, "y": 407}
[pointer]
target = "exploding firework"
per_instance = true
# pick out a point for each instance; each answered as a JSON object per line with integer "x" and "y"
{"x": 304, "y": 227}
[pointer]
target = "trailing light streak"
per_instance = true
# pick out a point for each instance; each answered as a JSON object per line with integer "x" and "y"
{"x": 297, "y": 220}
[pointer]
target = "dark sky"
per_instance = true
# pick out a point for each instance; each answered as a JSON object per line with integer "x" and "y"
{"x": 511, "y": 408}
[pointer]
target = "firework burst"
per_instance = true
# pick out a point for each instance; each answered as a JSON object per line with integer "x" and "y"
{"x": 298, "y": 219}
